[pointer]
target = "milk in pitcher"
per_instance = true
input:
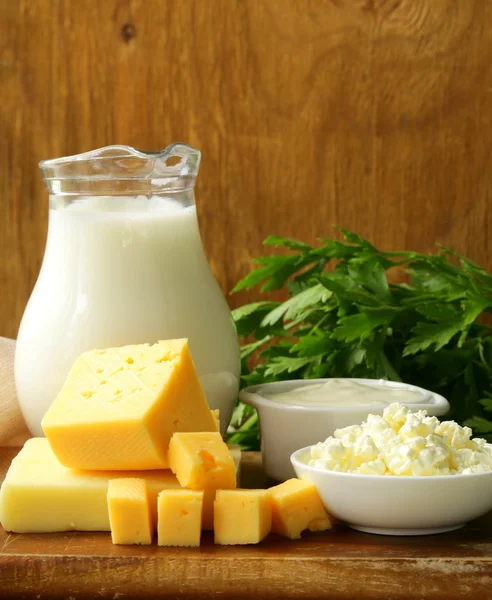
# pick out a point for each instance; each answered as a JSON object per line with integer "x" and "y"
{"x": 123, "y": 269}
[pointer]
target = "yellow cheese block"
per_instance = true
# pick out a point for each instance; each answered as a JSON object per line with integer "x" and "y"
{"x": 179, "y": 514}
{"x": 40, "y": 495}
{"x": 296, "y": 506}
{"x": 129, "y": 511}
{"x": 201, "y": 461}
{"x": 119, "y": 407}
{"x": 242, "y": 516}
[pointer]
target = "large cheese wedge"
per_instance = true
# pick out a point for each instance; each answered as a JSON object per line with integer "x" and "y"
{"x": 40, "y": 495}
{"x": 119, "y": 407}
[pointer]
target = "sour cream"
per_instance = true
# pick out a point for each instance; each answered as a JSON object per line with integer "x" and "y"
{"x": 346, "y": 392}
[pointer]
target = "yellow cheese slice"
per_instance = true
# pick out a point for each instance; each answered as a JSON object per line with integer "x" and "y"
{"x": 119, "y": 407}
{"x": 179, "y": 514}
{"x": 296, "y": 506}
{"x": 242, "y": 516}
{"x": 40, "y": 495}
{"x": 129, "y": 511}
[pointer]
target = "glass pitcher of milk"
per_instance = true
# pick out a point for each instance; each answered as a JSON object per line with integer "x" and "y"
{"x": 123, "y": 264}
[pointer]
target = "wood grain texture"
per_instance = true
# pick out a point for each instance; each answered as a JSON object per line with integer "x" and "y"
{"x": 341, "y": 564}
{"x": 373, "y": 114}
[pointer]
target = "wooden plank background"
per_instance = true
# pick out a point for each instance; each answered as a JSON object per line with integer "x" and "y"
{"x": 373, "y": 114}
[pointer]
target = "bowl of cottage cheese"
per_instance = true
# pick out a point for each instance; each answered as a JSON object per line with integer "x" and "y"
{"x": 401, "y": 472}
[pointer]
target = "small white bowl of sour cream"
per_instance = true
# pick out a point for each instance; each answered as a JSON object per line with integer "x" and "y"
{"x": 399, "y": 505}
{"x": 301, "y": 412}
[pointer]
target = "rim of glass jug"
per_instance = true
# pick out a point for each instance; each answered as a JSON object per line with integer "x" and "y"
{"x": 123, "y": 170}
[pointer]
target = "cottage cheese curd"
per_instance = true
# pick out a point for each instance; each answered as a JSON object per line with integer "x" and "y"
{"x": 403, "y": 443}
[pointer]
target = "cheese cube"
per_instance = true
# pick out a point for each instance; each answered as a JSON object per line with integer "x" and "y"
{"x": 40, "y": 495}
{"x": 201, "y": 461}
{"x": 129, "y": 511}
{"x": 242, "y": 516}
{"x": 119, "y": 407}
{"x": 179, "y": 517}
{"x": 296, "y": 506}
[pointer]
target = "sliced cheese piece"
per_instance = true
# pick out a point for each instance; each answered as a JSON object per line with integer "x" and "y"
{"x": 201, "y": 461}
{"x": 296, "y": 506}
{"x": 40, "y": 495}
{"x": 179, "y": 514}
{"x": 129, "y": 511}
{"x": 242, "y": 516}
{"x": 119, "y": 407}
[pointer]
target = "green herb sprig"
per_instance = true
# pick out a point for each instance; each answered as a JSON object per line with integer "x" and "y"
{"x": 350, "y": 321}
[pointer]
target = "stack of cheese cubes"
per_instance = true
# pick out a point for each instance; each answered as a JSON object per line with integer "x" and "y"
{"x": 132, "y": 446}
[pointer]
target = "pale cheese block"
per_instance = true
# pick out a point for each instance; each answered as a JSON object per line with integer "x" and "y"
{"x": 129, "y": 511}
{"x": 119, "y": 407}
{"x": 40, "y": 495}
{"x": 179, "y": 517}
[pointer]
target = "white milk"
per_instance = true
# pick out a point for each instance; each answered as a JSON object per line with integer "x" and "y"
{"x": 121, "y": 271}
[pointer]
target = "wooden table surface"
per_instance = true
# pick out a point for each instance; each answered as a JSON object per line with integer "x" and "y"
{"x": 338, "y": 564}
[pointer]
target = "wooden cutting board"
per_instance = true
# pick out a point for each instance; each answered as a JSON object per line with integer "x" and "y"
{"x": 342, "y": 564}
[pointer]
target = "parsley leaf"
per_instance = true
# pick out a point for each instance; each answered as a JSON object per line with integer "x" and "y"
{"x": 343, "y": 318}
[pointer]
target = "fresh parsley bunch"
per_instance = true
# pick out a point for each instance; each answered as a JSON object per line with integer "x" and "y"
{"x": 350, "y": 321}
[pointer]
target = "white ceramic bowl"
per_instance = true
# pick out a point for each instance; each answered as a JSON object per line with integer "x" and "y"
{"x": 285, "y": 428}
{"x": 394, "y": 505}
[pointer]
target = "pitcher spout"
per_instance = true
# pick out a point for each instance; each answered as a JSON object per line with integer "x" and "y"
{"x": 123, "y": 170}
